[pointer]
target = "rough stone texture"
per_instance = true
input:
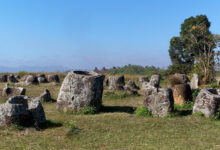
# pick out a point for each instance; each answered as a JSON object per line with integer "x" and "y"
{"x": 13, "y": 91}
{"x": 207, "y": 102}
{"x": 218, "y": 91}
{"x": 194, "y": 81}
{"x": 131, "y": 84}
{"x": 45, "y": 97}
{"x": 53, "y": 78}
{"x": 182, "y": 78}
{"x": 11, "y": 78}
{"x": 31, "y": 79}
{"x": 17, "y": 77}
{"x": 15, "y": 110}
{"x": 130, "y": 90}
{"x": 42, "y": 78}
{"x": 4, "y": 78}
{"x": 182, "y": 93}
{"x": 24, "y": 77}
{"x": 21, "y": 110}
{"x": 143, "y": 79}
{"x": 116, "y": 83}
{"x": 154, "y": 82}
{"x": 80, "y": 89}
{"x": 159, "y": 101}
{"x": 37, "y": 111}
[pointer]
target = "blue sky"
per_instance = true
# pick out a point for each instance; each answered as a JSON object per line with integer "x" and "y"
{"x": 82, "y": 34}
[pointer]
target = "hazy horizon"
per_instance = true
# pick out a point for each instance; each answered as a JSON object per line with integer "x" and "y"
{"x": 88, "y": 34}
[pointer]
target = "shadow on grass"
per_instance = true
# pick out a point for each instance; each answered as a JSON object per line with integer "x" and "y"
{"x": 112, "y": 109}
{"x": 49, "y": 124}
{"x": 183, "y": 112}
{"x": 22, "y": 126}
{"x": 51, "y": 101}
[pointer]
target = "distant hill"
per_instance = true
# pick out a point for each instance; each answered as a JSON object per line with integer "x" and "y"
{"x": 34, "y": 69}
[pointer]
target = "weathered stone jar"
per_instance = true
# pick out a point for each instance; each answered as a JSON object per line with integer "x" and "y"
{"x": 207, "y": 102}
{"x": 182, "y": 94}
{"x": 116, "y": 83}
{"x": 79, "y": 90}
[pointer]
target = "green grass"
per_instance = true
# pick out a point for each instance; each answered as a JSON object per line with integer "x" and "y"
{"x": 117, "y": 95}
{"x": 143, "y": 111}
{"x": 116, "y": 127}
{"x": 188, "y": 105}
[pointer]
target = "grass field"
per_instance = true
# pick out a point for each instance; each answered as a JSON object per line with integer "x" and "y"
{"x": 116, "y": 127}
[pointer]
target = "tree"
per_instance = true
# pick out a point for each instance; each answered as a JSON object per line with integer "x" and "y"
{"x": 104, "y": 69}
{"x": 195, "y": 46}
{"x": 177, "y": 53}
{"x": 194, "y": 31}
{"x": 96, "y": 69}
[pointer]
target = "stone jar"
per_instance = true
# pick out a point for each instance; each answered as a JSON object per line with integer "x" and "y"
{"x": 182, "y": 93}
{"x": 207, "y": 102}
{"x": 79, "y": 90}
{"x": 116, "y": 83}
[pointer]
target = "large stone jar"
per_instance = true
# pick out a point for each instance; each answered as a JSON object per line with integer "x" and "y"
{"x": 79, "y": 90}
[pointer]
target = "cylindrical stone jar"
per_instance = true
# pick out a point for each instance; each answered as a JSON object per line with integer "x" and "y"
{"x": 116, "y": 83}
{"x": 79, "y": 90}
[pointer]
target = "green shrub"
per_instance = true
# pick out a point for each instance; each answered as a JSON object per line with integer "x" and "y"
{"x": 214, "y": 85}
{"x": 16, "y": 127}
{"x": 188, "y": 105}
{"x": 143, "y": 111}
{"x": 10, "y": 84}
{"x": 178, "y": 68}
{"x": 195, "y": 93}
{"x": 135, "y": 69}
{"x": 88, "y": 111}
{"x": 199, "y": 114}
{"x": 217, "y": 114}
{"x": 170, "y": 115}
